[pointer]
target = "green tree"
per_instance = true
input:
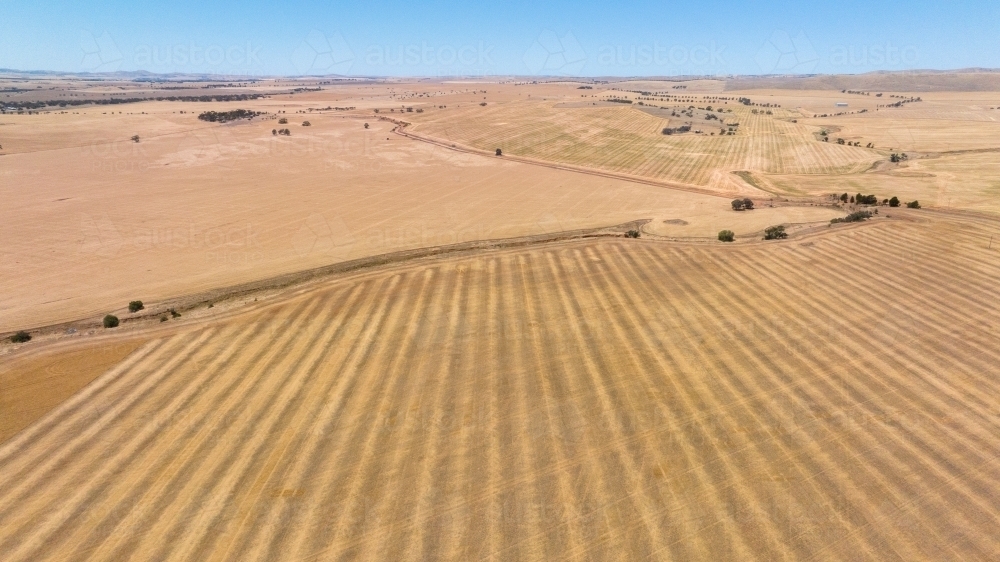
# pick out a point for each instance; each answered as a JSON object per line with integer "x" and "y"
{"x": 135, "y": 306}
{"x": 894, "y": 202}
{"x": 110, "y": 321}
{"x": 727, "y": 236}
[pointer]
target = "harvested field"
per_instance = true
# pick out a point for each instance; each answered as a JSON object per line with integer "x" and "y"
{"x": 628, "y": 140}
{"x": 819, "y": 399}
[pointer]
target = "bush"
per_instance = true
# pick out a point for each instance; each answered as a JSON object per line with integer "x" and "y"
{"x": 913, "y": 205}
{"x": 738, "y": 204}
{"x": 775, "y": 233}
{"x": 894, "y": 202}
{"x": 727, "y": 236}
{"x": 21, "y": 337}
{"x": 366, "y": 124}
{"x": 632, "y": 234}
{"x": 111, "y": 321}
{"x": 135, "y": 138}
{"x": 174, "y": 313}
{"x": 306, "y": 124}
{"x": 135, "y": 306}
{"x": 748, "y": 204}
{"x": 283, "y": 121}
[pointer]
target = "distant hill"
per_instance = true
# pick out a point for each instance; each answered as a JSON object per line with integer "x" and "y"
{"x": 968, "y": 80}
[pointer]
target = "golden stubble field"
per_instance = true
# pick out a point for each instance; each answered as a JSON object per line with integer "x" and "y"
{"x": 96, "y": 220}
{"x": 821, "y": 399}
{"x": 830, "y": 396}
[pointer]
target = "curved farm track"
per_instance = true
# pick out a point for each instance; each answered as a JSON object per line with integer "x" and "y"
{"x": 600, "y": 399}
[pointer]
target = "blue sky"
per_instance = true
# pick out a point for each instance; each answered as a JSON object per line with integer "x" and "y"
{"x": 709, "y": 37}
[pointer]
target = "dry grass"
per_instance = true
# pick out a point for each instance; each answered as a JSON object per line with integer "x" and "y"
{"x": 604, "y": 400}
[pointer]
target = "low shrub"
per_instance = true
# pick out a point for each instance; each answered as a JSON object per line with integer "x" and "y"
{"x": 21, "y": 337}
{"x": 135, "y": 306}
{"x": 727, "y": 236}
{"x": 110, "y": 321}
{"x": 174, "y": 313}
{"x": 306, "y": 124}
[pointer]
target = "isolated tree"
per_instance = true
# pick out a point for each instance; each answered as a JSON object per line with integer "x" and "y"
{"x": 135, "y": 138}
{"x": 726, "y": 236}
{"x": 366, "y": 124}
{"x": 737, "y": 204}
{"x": 110, "y": 321}
{"x": 499, "y": 152}
{"x": 894, "y": 202}
{"x": 135, "y": 306}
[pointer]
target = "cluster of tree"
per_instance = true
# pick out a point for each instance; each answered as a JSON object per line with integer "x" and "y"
{"x": 585, "y": 88}
{"x": 632, "y": 234}
{"x": 762, "y": 112}
{"x": 224, "y": 116}
{"x": 22, "y": 105}
{"x": 895, "y": 158}
{"x": 901, "y": 102}
{"x": 856, "y": 216}
{"x": 775, "y": 233}
{"x": 285, "y": 132}
{"x": 618, "y": 100}
{"x": 678, "y": 130}
{"x": 742, "y": 204}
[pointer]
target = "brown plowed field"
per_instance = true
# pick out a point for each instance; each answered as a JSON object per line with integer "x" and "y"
{"x": 819, "y": 399}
